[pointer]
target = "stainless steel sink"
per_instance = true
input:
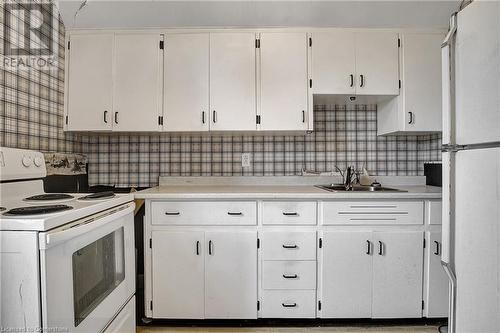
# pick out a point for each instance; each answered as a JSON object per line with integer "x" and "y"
{"x": 357, "y": 188}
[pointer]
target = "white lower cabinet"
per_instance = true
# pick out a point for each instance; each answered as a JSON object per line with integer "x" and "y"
{"x": 289, "y": 304}
{"x": 178, "y": 269}
{"x": 200, "y": 274}
{"x": 437, "y": 286}
{"x": 371, "y": 274}
{"x": 231, "y": 275}
{"x": 346, "y": 275}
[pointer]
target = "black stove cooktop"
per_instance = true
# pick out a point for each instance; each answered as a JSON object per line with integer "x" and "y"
{"x": 49, "y": 196}
{"x": 37, "y": 210}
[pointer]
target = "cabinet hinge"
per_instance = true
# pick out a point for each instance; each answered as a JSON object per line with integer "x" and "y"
{"x": 66, "y": 120}
{"x": 258, "y": 120}
{"x": 258, "y": 243}
{"x": 257, "y": 43}
{"x": 151, "y": 243}
{"x": 310, "y": 42}
{"x": 319, "y": 305}
{"x": 258, "y": 305}
{"x": 151, "y": 305}
{"x": 160, "y": 120}
{"x": 423, "y": 304}
{"x": 320, "y": 243}
{"x": 162, "y": 45}
{"x": 399, "y": 84}
{"x": 310, "y": 83}
{"x": 424, "y": 243}
{"x": 399, "y": 42}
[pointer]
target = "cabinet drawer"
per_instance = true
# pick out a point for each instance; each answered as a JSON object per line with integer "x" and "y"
{"x": 373, "y": 212}
{"x": 204, "y": 212}
{"x": 289, "y": 304}
{"x": 289, "y": 245}
{"x": 289, "y": 212}
{"x": 435, "y": 212}
{"x": 289, "y": 274}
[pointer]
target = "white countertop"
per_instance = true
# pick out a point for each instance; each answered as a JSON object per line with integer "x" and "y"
{"x": 280, "y": 192}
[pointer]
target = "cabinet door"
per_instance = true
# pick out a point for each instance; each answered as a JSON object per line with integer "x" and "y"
{"x": 377, "y": 63}
{"x": 186, "y": 66}
{"x": 231, "y": 275}
{"x": 421, "y": 81}
{"x": 334, "y": 68}
{"x": 232, "y": 81}
{"x": 90, "y": 82}
{"x": 436, "y": 291}
{"x": 137, "y": 84}
{"x": 346, "y": 280}
{"x": 178, "y": 274}
{"x": 284, "y": 81}
{"x": 397, "y": 274}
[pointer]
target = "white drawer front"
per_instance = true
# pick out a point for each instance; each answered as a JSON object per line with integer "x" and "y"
{"x": 289, "y": 274}
{"x": 289, "y": 245}
{"x": 289, "y": 212}
{"x": 373, "y": 212}
{"x": 289, "y": 304}
{"x": 435, "y": 212}
{"x": 204, "y": 212}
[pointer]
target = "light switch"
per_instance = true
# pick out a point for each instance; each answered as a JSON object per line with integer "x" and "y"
{"x": 246, "y": 159}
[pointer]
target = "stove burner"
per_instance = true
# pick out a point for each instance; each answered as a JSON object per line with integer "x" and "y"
{"x": 36, "y": 210}
{"x": 49, "y": 196}
{"x": 2, "y": 209}
{"x": 98, "y": 195}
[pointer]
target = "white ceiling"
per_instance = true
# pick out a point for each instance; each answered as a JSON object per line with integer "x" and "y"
{"x": 162, "y": 14}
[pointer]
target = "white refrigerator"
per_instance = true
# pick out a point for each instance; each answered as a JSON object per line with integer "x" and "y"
{"x": 471, "y": 167}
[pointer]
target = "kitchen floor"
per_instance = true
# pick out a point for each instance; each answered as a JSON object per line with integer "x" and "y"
{"x": 335, "y": 329}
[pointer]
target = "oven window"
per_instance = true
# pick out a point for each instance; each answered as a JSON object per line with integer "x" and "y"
{"x": 98, "y": 269}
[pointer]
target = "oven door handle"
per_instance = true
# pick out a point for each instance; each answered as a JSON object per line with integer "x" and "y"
{"x": 87, "y": 224}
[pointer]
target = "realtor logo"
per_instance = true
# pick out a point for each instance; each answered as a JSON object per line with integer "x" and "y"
{"x": 31, "y": 34}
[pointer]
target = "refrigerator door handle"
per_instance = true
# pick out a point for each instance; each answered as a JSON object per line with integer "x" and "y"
{"x": 448, "y": 81}
{"x": 453, "y": 285}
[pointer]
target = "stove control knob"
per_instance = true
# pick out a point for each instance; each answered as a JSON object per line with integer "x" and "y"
{"x": 27, "y": 161}
{"x": 38, "y": 161}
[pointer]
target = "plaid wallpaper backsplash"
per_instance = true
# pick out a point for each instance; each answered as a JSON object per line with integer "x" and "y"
{"x": 342, "y": 136}
{"x": 32, "y": 100}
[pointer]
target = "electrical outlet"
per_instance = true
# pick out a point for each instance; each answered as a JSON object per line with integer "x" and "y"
{"x": 246, "y": 159}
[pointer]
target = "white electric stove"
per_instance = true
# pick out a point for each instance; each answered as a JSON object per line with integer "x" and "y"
{"x": 67, "y": 261}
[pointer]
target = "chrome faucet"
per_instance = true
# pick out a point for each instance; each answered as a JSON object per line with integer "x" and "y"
{"x": 349, "y": 177}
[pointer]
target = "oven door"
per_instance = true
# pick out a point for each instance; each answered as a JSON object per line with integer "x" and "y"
{"x": 88, "y": 270}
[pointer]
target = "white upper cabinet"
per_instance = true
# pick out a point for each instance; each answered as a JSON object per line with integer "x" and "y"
{"x": 186, "y": 81}
{"x": 89, "y": 97}
{"x": 418, "y": 108}
{"x": 377, "y": 69}
{"x": 334, "y": 63}
{"x": 108, "y": 87}
{"x": 356, "y": 63}
{"x": 137, "y": 85}
{"x": 284, "y": 81}
{"x": 232, "y": 81}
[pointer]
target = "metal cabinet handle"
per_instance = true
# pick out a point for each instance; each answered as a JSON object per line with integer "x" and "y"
{"x": 380, "y": 248}
{"x": 411, "y": 117}
{"x": 368, "y": 247}
{"x": 105, "y": 116}
{"x": 235, "y": 214}
{"x": 362, "y": 78}
{"x": 116, "y": 117}
{"x": 352, "y": 80}
{"x": 197, "y": 248}
{"x": 303, "y": 116}
{"x": 294, "y": 276}
{"x": 202, "y": 117}
{"x": 289, "y": 246}
{"x": 210, "y": 247}
{"x": 291, "y": 214}
{"x": 172, "y": 213}
{"x": 289, "y": 305}
{"x": 437, "y": 248}
{"x": 214, "y": 118}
